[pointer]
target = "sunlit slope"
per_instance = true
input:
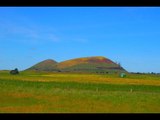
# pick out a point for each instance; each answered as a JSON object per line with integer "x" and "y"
{"x": 89, "y": 64}
{"x": 96, "y": 64}
{"x": 46, "y": 65}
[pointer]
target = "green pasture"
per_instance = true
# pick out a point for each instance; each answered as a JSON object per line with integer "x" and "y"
{"x": 57, "y": 93}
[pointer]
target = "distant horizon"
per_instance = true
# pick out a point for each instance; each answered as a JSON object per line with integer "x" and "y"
{"x": 81, "y": 57}
{"x": 128, "y": 35}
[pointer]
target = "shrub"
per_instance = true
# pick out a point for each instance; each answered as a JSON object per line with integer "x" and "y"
{"x": 14, "y": 72}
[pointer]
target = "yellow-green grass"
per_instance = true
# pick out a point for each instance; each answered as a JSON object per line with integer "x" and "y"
{"x": 78, "y": 93}
{"x": 85, "y": 78}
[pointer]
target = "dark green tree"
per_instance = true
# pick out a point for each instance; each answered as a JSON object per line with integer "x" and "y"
{"x": 14, "y": 72}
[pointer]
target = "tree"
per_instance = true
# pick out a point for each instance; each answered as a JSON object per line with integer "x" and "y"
{"x": 119, "y": 64}
{"x": 152, "y": 73}
{"x": 14, "y": 72}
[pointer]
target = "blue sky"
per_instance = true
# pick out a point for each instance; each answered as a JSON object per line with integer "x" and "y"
{"x": 129, "y": 35}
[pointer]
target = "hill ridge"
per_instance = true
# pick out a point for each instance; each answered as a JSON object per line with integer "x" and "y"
{"x": 82, "y": 64}
{"x": 44, "y": 65}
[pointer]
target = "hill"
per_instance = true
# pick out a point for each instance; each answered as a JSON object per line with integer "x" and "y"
{"x": 89, "y": 64}
{"x": 46, "y": 65}
{"x": 95, "y": 64}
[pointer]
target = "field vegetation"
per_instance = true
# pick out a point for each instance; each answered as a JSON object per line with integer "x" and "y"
{"x": 46, "y": 92}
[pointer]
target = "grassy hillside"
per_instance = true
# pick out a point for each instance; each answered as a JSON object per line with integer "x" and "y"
{"x": 46, "y": 65}
{"x": 94, "y": 68}
{"x": 90, "y": 60}
{"x": 97, "y": 64}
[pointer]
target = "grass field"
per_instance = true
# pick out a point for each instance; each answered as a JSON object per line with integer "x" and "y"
{"x": 31, "y": 92}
